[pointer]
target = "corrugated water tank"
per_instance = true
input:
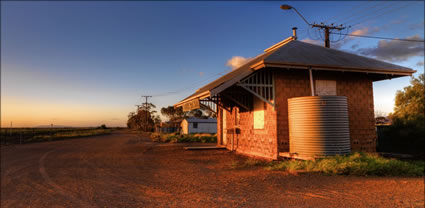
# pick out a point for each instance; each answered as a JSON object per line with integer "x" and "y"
{"x": 318, "y": 125}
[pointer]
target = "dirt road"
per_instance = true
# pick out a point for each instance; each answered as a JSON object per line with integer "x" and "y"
{"x": 125, "y": 170}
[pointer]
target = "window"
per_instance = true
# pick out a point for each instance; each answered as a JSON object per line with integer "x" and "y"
{"x": 195, "y": 125}
{"x": 258, "y": 114}
{"x": 325, "y": 87}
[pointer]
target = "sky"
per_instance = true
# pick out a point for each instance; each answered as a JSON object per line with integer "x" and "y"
{"x": 88, "y": 63}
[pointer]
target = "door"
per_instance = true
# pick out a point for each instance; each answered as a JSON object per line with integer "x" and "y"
{"x": 224, "y": 129}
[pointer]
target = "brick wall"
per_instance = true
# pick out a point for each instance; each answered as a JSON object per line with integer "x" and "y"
{"x": 274, "y": 138}
{"x": 250, "y": 141}
{"x": 359, "y": 92}
{"x": 355, "y": 86}
{"x": 288, "y": 84}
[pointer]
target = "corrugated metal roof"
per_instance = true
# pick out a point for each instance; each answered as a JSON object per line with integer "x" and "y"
{"x": 305, "y": 54}
{"x": 201, "y": 120}
{"x": 291, "y": 53}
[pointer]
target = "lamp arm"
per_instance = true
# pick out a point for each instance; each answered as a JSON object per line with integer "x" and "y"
{"x": 301, "y": 16}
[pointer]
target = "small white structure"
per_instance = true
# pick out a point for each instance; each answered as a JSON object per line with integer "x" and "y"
{"x": 199, "y": 125}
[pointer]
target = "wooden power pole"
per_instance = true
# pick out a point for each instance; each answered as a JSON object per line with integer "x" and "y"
{"x": 147, "y": 110}
{"x": 327, "y": 29}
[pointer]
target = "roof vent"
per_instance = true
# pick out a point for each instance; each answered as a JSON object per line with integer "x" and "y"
{"x": 294, "y": 33}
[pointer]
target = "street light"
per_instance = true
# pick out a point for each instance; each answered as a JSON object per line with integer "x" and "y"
{"x": 326, "y": 28}
{"x": 287, "y": 7}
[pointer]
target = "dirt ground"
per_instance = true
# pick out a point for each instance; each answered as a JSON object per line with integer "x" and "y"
{"x": 126, "y": 170}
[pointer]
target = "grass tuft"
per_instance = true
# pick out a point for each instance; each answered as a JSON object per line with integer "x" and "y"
{"x": 361, "y": 164}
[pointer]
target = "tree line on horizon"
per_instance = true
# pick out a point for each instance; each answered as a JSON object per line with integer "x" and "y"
{"x": 146, "y": 117}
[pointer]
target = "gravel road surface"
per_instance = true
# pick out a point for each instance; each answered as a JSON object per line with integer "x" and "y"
{"x": 126, "y": 170}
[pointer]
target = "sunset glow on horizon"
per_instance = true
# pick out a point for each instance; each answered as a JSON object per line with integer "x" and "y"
{"x": 82, "y": 64}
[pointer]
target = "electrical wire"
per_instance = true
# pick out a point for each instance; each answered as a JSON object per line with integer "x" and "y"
{"x": 367, "y": 11}
{"x": 345, "y": 12}
{"x": 351, "y": 12}
{"x": 379, "y": 15}
{"x": 384, "y": 38}
{"x": 386, "y": 9}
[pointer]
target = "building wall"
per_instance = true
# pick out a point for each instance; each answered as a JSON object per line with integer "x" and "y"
{"x": 203, "y": 128}
{"x": 355, "y": 86}
{"x": 250, "y": 141}
{"x": 187, "y": 127}
{"x": 274, "y": 138}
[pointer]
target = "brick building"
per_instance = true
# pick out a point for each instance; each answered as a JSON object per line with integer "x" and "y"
{"x": 252, "y": 101}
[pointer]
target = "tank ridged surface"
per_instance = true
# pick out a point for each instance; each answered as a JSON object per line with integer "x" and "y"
{"x": 319, "y": 125}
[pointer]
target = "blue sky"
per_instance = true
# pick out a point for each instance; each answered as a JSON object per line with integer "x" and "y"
{"x": 87, "y": 63}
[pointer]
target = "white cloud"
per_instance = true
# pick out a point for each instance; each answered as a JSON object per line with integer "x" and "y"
{"x": 362, "y": 31}
{"x": 237, "y": 61}
{"x": 347, "y": 39}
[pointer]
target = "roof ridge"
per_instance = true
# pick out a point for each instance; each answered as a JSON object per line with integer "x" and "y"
{"x": 279, "y": 44}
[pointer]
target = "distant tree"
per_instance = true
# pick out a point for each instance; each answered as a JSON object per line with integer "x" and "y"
{"x": 157, "y": 119}
{"x": 410, "y": 104}
{"x": 197, "y": 113}
{"x": 144, "y": 118}
{"x": 174, "y": 114}
{"x": 208, "y": 112}
{"x": 407, "y": 132}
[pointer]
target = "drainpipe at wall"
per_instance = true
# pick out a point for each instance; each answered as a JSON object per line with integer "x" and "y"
{"x": 234, "y": 128}
{"x": 311, "y": 81}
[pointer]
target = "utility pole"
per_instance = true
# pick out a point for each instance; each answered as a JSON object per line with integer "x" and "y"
{"x": 326, "y": 28}
{"x": 147, "y": 110}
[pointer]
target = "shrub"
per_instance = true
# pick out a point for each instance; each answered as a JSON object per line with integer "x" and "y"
{"x": 176, "y": 137}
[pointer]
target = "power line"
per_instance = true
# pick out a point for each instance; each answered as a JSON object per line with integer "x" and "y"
{"x": 348, "y": 11}
{"x": 360, "y": 13}
{"x": 384, "y": 38}
{"x": 379, "y": 15}
{"x": 367, "y": 14}
{"x": 349, "y": 14}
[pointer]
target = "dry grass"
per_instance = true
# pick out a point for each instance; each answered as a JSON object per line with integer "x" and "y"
{"x": 361, "y": 164}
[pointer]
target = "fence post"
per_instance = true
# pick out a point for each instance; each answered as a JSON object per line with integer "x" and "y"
{"x": 20, "y": 138}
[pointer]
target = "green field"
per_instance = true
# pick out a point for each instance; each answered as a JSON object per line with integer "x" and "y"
{"x": 28, "y": 135}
